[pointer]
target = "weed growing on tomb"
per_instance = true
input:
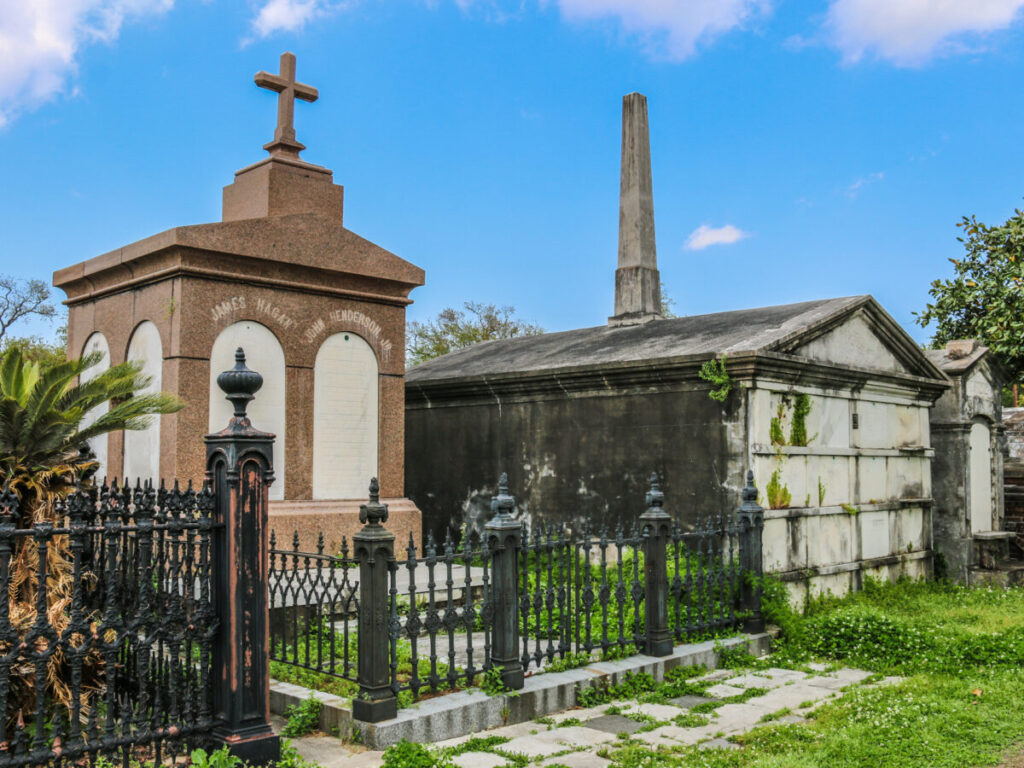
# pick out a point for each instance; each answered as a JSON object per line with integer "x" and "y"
{"x": 714, "y": 371}
{"x": 821, "y": 493}
{"x": 798, "y": 430}
{"x": 775, "y": 432}
{"x": 779, "y": 496}
{"x": 303, "y": 718}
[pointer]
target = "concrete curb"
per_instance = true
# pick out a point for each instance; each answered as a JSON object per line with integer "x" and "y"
{"x": 473, "y": 711}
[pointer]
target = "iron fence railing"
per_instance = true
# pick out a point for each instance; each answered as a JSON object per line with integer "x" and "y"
{"x": 579, "y": 593}
{"x": 705, "y": 574}
{"x": 106, "y": 626}
{"x": 418, "y": 621}
{"x": 314, "y": 602}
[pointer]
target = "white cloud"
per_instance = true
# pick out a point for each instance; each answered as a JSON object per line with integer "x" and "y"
{"x": 854, "y": 189}
{"x": 40, "y": 41}
{"x": 670, "y": 28}
{"x": 910, "y": 32}
{"x": 291, "y": 15}
{"x": 705, "y": 236}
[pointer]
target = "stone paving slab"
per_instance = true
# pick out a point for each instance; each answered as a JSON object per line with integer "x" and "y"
{"x": 556, "y": 740}
{"x": 657, "y": 711}
{"x": 686, "y": 702}
{"x": 790, "y": 697}
{"x": 614, "y": 724}
{"x": 479, "y": 760}
{"x": 577, "y": 745}
{"x": 775, "y": 673}
{"x": 578, "y": 760}
{"x": 839, "y": 679}
{"x": 732, "y": 718}
{"x": 580, "y": 714}
{"x": 723, "y": 691}
{"x": 674, "y": 735}
{"x": 754, "y": 680}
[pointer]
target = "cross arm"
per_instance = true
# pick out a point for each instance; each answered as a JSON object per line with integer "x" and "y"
{"x": 306, "y": 92}
{"x": 273, "y": 82}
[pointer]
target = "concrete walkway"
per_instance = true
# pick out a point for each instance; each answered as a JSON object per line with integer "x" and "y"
{"x": 575, "y": 738}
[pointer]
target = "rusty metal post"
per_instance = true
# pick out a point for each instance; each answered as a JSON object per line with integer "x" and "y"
{"x": 374, "y": 548}
{"x": 503, "y": 538}
{"x": 657, "y": 529}
{"x": 751, "y": 519}
{"x": 239, "y": 469}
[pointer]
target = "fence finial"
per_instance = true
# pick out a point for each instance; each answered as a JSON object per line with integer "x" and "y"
{"x": 373, "y": 512}
{"x": 503, "y": 503}
{"x": 655, "y": 497}
{"x": 240, "y": 384}
{"x": 750, "y": 491}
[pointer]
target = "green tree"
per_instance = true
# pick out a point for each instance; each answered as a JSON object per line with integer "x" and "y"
{"x": 457, "y": 329}
{"x": 984, "y": 299}
{"x": 20, "y": 299}
{"x": 667, "y": 305}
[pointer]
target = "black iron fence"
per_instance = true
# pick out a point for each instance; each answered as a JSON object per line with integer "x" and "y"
{"x": 420, "y": 621}
{"x": 133, "y": 618}
{"x": 107, "y": 628}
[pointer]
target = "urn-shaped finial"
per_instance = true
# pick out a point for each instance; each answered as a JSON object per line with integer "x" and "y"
{"x": 504, "y": 503}
{"x": 240, "y": 384}
{"x": 373, "y": 512}
{"x": 655, "y": 496}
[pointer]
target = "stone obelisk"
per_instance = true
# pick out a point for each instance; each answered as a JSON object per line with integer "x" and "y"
{"x": 637, "y": 284}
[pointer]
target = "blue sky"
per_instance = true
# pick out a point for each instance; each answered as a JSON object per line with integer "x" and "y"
{"x": 801, "y": 150}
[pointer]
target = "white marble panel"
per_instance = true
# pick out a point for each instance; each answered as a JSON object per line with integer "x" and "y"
{"x": 142, "y": 446}
{"x": 830, "y": 419}
{"x": 263, "y": 354}
{"x": 775, "y": 546}
{"x": 874, "y": 534}
{"x": 97, "y": 343}
{"x": 872, "y": 482}
{"x": 835, "y": 473}
{"x": 907, "y": 530}
{"x": 345, "y": 418}
{"x": 837, "y": 584}
{"x": 905, "y": 478}
{"x": 904, "y": 426}
{"x": 830, "y": 539}
{"x": 873, "y": 431}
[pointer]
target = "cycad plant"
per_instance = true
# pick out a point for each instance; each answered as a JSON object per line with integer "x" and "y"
{"x": 45, "y": 422}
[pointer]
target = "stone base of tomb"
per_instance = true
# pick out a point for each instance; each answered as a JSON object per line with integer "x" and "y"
{"x": 339, "y": 520}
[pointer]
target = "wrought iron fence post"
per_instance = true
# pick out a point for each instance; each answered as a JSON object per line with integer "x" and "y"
{"x": 504, "y": 536}
{"x": 239, "y": 469}
{"x": 751, "y": 519}
{"x": 656, "y": 525}
{"x": 374, "y": 548}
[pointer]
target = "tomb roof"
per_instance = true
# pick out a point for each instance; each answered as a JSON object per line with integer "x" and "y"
{"x": 958, "y": 357}
{"x": 740, "y": 332}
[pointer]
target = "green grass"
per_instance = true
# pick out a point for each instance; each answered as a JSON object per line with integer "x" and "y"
{"x": 960, "y": 650}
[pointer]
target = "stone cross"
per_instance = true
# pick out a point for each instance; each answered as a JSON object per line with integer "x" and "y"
{"x": 288, "y": 90}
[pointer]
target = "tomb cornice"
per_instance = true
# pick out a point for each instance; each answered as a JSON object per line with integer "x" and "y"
{"x": 263, "y": 251}
{"x": 747, "y": 369}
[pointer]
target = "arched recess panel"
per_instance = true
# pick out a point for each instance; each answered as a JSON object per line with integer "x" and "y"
{"x": 142, "y": 446}
{"x": 344, "y": 418}
{"x": 263, "y": 354}
{"x": 97, "y": 342}
{"x": 981, "y": 478}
